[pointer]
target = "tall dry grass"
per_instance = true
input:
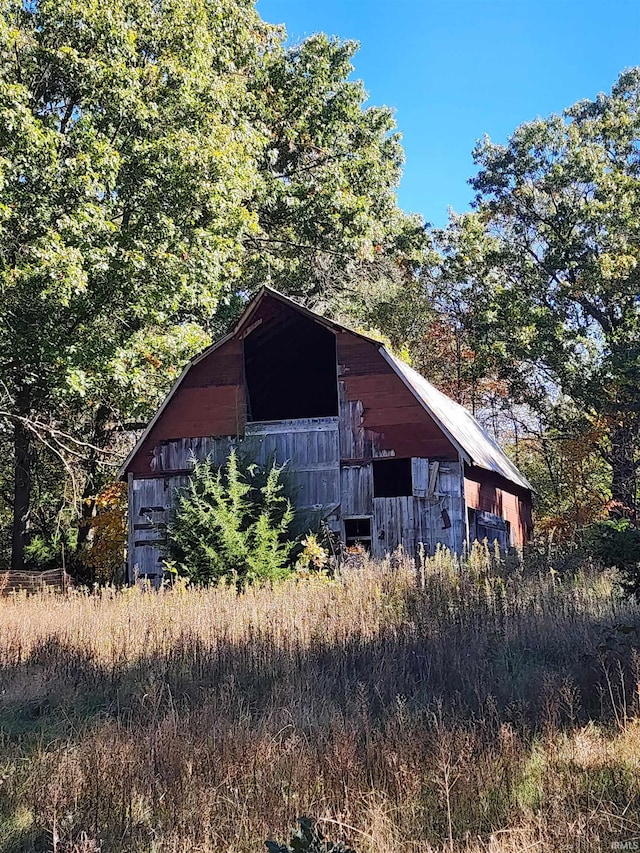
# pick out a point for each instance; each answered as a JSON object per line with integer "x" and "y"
{"x": 490, "y": 710}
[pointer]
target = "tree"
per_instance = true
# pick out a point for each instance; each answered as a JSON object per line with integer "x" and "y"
{"x": 330, "y": 231}
{"x": 570, "y": 478}
{"x": 549, "y": 262}
{"x": 616, "y": 543}
{"x": 232, "y": 523}
{"x": 125, "y": 172}
{"x": 159, "y": 162}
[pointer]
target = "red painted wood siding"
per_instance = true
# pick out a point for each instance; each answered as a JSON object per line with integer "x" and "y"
{"x": 489, "y": 492}
{"x": 390, "y": 410}
{"x": 210, "y": 401}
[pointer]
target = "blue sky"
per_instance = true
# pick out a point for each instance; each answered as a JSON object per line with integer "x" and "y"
{"x": 454, "y": 70}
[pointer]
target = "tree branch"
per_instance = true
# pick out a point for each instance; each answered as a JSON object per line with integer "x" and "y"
{"x": 67, "y": 116}
{"x": 37, "y": 428}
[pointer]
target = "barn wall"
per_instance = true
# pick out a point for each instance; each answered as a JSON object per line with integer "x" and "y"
{"x": 380, "y": 416}
{"x": 491, "y": 493}
{"x": 210, "y": 401}
{"x": 415, "y": 521}
{"x": 311, "y": 449}
{"x": 408, "y": 520}
{"x": 356, "y": 487}
{"x": 309, "y": 446}
{"x": 150, "y": 503}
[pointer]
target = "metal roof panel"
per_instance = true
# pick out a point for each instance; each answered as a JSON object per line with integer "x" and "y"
{"x": 460, "y": 424}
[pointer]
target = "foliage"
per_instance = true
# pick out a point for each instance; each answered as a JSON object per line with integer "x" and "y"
{"x": 313, "y": 556}
{"x": 124, "y": 174}
{"x": 570, "y": 478}
{"x": 50, "y": 552}
{"x": 548, "y": 267}
{"x": 232, "y": 523}
{"x": 307, "y": 839}
{"x": 330, "y": 231}
{"x": 104, "y": 550}
{"x": 617, "y": 544}
{"x": 141, "y": 369}
{"x": 158, "y": 162}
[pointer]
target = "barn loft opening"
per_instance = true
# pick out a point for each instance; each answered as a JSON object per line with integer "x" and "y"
{"x": 290, "y": 369}
{"x": 392, "y": 478}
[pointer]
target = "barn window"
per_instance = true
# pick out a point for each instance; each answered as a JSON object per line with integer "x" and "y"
{"x": 392, "y": 478}
{"x": 290, "y": 370}
{"x": 357, "y": 531}
{"x": 486, "y": 525}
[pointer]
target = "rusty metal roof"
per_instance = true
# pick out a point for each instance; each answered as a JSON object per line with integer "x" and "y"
{"x": 458, "y": 424}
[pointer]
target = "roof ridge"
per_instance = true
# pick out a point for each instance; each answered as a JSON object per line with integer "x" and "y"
{"x": 441, "y": 409}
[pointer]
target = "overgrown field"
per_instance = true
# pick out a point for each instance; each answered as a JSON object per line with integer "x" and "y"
{"x": 492, "y": 709}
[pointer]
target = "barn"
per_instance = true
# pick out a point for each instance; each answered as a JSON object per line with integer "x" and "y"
{"x": 374, "y": 448}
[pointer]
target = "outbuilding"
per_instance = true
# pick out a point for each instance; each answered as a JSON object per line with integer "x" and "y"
{"x": 376, "y": 450}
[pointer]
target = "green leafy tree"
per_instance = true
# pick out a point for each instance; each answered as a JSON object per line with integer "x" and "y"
{"x": 617, "y": 544}
{"x": 158, "y": 162}
{"x": 330, "y": 230}
{"x": 549, "y": 266}
{"x": 232, "y": 522}
{"x": 124, "y": 171}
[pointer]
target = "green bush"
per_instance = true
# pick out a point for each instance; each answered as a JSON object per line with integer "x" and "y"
{"x": 51, "y": 551}
{"x": 617, "y": 544}
{"x": 231, "y": 522}
{"x": 307, "y": 839}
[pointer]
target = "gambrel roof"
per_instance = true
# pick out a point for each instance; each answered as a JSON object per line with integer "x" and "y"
{"x": 459, "y": 424}
{"x": 473, "y": 443}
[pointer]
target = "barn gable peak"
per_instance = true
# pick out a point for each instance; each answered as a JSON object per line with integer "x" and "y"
{"x": 466, "y": 435}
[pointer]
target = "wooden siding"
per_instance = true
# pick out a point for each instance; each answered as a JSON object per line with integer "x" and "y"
{"x": 491, "y": 493}
{"x": 356, "y": 486}
{"x": 411, "y": 521}
{"x": 309, "y": 446}
{"x": 151, "y": 501}
{"x": 209, "y": 402}
{"x": 381, "y": 416}
{"x": 177, "y": 455}
{"x": 311, "y": 449}
{"x": 356, "y": 442}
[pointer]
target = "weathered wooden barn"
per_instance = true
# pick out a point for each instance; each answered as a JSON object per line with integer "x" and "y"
{"x": 374, "y": 448}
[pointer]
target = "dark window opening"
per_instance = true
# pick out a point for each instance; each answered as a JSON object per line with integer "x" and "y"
{"x": 357, "y": 531}
{"x": 290, "y": 370}
{"x": 485, "y": 525}
{"x": 392, "y": 478}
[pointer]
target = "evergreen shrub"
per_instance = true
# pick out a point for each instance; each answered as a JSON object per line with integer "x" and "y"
{"x": 232, "y": 523}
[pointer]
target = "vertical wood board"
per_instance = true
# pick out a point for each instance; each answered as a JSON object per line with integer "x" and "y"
{"x": 151, "y": 501}
{"x": 356, "y": 490}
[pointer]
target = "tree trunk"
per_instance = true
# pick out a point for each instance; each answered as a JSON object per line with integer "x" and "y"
{"x": 624, "y": 481}
{"x": 23, "y": 459}
{"x": 98, "y": 438}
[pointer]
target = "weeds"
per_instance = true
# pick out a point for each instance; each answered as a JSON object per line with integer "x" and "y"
{"x": 482, "y": 708}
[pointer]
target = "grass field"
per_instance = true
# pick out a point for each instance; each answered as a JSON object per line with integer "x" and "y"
{"x": 486, "y": 709}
